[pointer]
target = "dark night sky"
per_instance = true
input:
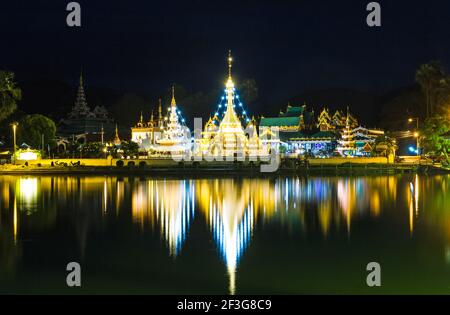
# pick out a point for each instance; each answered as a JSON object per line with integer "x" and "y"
{"x": 287, "y": 46}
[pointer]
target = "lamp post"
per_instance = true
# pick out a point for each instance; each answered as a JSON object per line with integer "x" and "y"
{"x": 416, "y": 133}
{"x": 14, "y": 127}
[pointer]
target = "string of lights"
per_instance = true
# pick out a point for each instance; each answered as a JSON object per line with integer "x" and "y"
{"x": 237, "y": 102}
{"x": 178, "y": 113}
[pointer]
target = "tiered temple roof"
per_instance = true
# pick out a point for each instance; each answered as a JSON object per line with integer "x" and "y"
{"x": 152, "y": 122}
{"x": 324, "y": 122}
{"x": 82, "y": 122}
{"x": 229, "y": 137}
{"x": 295, "y": 118}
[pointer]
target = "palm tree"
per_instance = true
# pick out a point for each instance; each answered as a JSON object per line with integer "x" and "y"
{"x": 384, "y": 146}
{"x": 430, "y": 77}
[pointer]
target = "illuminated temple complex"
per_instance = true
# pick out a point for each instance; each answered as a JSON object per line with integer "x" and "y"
{"x": 229, "y": 134}
{"x": 175, "y": 136}
{"x": 301, "y": 132}
{"x": 165, "y": 136}
{"x": 226, "y": 136}
{"x": 146, "y": 134}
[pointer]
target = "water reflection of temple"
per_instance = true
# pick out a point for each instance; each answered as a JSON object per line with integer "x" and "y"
{"x": 170, "y": 203}
{"x": 234, "y": 210}
{"x": 332, "y": 202}
{"x": 231, "y": 208}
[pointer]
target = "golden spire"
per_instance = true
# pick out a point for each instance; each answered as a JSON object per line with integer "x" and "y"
{"x": 173, "y": 103}
{"x": 141, "y": 119}
{"x": 160, "y": 110}
{"x": 347, "y": 119}
{"x": 102, "y": 132}
{"x": 230, "y": 116}
{"x": 230, "y": 84}
{"x": 116, "y": 138}
{"x": 230, "y": 63}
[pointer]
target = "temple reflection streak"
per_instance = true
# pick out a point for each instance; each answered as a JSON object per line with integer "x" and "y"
{"x": 168, "y": 202}
{"x": 231, "y": 208}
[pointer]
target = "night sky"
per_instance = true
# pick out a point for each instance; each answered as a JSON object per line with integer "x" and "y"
{"x": 286, "y": 46}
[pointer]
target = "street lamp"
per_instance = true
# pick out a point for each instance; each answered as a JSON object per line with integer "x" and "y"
{"x": 410, "y": 120}
{"x": 14, "y": 127}
{"x": 416, "y": 133}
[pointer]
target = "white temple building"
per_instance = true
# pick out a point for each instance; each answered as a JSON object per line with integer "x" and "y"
{"x": 175, "y": 135}
{"x": 146, "y": 134}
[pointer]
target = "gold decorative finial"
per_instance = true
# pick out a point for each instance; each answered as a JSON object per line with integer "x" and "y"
{"x": 102, "y": 133}
{"x": 230, "y": 63}
{"x": 348, "y": 116}
{"x": 173, "y": 103}
{"x": 230, "y": 84}
{"x": 116, "y": 138}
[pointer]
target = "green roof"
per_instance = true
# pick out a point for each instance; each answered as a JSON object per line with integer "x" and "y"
{"x": 293, "y": 111}
{"x": 279, "y": 121}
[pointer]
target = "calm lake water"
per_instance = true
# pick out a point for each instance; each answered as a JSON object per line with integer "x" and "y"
{"x": 225, "y": 235}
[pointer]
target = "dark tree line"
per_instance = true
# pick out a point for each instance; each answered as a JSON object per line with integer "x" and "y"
{"x": 435, "y": 85}
{"x": 38, "y": 131}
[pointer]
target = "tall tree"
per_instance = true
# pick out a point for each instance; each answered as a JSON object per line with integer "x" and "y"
{"x": 129, "y": 148}
{"x": 33, "y": 127}
{"x": 93, "y": 150}
{"x": 10, "y": 94}
{"x": 436, "y": 136}
{"x": 384, "y": 145}
{"x": 432, "y": 79}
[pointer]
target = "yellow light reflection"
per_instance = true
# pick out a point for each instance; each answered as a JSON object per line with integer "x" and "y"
{"x": 105, "y": 196}
{"x": 120, "y": 191}
{"x": 15, "y": 220}
{"x": 168, "y": 202}
{"x": 231, "y": 208}
{"x": 347, "y": 199}
{"x": 413, "y": 193}
{"x": 4, "y": 202}
{"x": 416, "y": 194}
{"x": 28, "y": 193}
{"x": 375, "y": 203}
{"x": 325, "y": 212}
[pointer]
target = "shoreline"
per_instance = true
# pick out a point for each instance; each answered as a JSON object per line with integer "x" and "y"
{"x": 232, "y": 169}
